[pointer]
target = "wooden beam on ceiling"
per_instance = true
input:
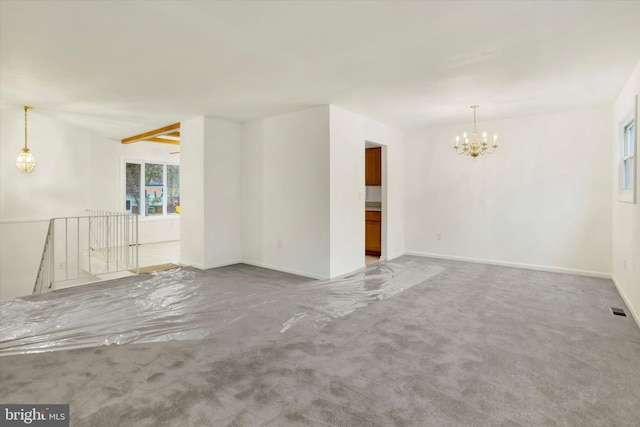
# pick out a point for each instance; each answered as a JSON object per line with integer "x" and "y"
{"x": 174, "y": 134}
{"x": 163, "y": 140}
{"x": 147, "y": 136}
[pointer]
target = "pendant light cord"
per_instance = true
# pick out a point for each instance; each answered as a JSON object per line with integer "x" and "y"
{"x": 474, "y": 108}
{"x": 25, "y": 127}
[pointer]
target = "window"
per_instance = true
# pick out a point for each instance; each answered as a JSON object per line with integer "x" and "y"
{"x": 133, "y": 188}
{"x": 152, "y": 189}
{"x": 628, "y": 156}
{"x": 173, "y": 189}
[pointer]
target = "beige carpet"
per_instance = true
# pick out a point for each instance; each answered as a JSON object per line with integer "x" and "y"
{"x": 159, "y": 267}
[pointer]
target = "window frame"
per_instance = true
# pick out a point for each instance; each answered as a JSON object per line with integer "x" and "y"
{"x": 143, "y": 202}
{"x": 628, "y": 195}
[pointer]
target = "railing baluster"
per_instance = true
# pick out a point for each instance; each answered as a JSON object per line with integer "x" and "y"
{"x": 66, "y": 248}
{"x": 113, "y": 243}
{"x": 78, "y": 248}
{"x": 137, "y": 247}
{"x": 52, "y": 267}
{"x": 128, "y": 247}
{"x": 119, "y": 239}
{"x": 106, "y": 229}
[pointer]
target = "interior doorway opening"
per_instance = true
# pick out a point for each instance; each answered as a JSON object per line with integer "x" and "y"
{"x": 151, "y": 189}
{"x": 375, "y": 196}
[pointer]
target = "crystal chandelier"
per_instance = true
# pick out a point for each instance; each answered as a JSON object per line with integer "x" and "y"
{"x": 25, "y": 162}
{"x": 475, "y": 147}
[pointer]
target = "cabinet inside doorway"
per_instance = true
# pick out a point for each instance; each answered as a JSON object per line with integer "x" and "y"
{"x": 373, "y": 233}
{"x": 373, "y": 166}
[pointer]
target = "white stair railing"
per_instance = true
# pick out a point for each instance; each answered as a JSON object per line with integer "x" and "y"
{"x": 44, "y": 279}
{"x": 83, "y": 249}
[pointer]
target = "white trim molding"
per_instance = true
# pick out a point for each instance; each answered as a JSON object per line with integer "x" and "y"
{"x": 634, "y": 315}
{"x": 588, "y": 273}
{"x": 393, "y": 256}
{"x": 284, "y": 270}
{"x": 629, "y": 195}
{"x": 210, "y": 266}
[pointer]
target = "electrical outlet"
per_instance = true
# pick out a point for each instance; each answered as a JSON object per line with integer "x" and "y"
{"x": 438, "y": 236}
{"x": 625, "y": 264}
{"x": 279, "y": 244}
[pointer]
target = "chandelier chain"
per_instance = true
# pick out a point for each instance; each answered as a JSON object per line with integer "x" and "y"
{"x": 25, "y": 126}
{"x": 474, "y": 108}
{"x": 26, "y": 108}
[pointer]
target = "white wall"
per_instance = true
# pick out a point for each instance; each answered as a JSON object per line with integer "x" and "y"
{"x": 223, "y": 202}
{"x": 543, "y": 200}
{"x": 303, "y": 191}
{"x": 277, "y": 192}
{"x": 349, "y": 133}
{"x": 347, "y": 195}
{"x": 76, "y": 170}
{"x": 252, "y": 190}
{"x": 57, "y": 187}
{"x": 105, "y": 175}
{"x": 626, "y": 216}
{"x": 21, "y": 246}
{"x": 285, "y": 192}
{"x": 210, "y": 198}
{"x": 192, "y": 191}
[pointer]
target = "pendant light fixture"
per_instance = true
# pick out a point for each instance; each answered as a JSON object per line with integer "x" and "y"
{"x": 478, "y": 145}
{"x": 25, "y": 162}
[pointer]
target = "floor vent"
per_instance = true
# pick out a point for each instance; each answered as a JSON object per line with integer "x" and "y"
{"x": 618, "y": 312}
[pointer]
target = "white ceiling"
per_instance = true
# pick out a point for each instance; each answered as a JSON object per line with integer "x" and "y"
{"x": 125, "y": 67}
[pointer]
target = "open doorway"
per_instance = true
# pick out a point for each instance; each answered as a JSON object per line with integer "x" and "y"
{"x": 151, "y": 180}
{"x": 374, "y": 206}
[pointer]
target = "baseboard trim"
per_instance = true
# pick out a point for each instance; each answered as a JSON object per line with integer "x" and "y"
{"x": 513, "y": 264}
{"x": 284, "y": 270}
{"x": 394, "y": 256}
{"x": 634, "y": 314}
{"x": 348, "y": 273}
{"x": 257, "y": 264}
{"x": 216, "y": 265}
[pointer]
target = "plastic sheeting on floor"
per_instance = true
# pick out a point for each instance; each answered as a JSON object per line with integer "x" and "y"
{"x": 177, "y": 305}
{"x": 321, "y": 301}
